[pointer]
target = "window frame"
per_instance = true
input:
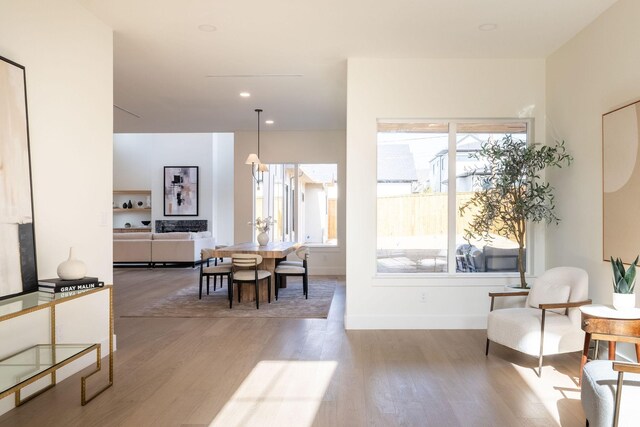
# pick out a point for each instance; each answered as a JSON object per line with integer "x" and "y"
{"x": 296, "y": 197}
{"x": 451, "y": 275}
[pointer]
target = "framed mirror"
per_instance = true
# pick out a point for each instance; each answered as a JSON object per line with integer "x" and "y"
{"x": 18, "y": 273}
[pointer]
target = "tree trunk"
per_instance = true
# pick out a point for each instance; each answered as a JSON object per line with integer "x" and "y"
{"x": 521, "y": 267}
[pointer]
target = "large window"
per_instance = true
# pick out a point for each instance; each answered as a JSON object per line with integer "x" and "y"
{"x": 303, "y": 201}
{"x": 426, "y": 171}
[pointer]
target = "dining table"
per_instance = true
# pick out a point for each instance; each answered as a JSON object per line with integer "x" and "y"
{"x": 271, "y": 254}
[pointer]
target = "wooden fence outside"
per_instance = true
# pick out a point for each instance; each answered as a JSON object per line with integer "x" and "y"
{"x": 420, "y": 214}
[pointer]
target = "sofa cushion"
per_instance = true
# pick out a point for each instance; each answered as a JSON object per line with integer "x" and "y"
{"x": 131, "y": 236}
{"x": 201, "y": 235}
{"x": 172, "y": 236}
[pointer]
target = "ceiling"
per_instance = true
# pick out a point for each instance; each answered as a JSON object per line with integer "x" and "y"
{"x": 291, "y": 55}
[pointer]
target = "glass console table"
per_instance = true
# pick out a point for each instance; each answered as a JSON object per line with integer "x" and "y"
{"x": 30, "y": 364}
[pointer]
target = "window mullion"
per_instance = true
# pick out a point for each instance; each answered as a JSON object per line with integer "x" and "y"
{"x": 451, "y": 200}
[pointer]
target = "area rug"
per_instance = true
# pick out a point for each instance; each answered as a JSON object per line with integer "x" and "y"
{"x": 291, "y": 303}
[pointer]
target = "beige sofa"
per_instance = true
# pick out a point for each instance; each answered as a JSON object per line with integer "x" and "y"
{"x": 154, "y": 248}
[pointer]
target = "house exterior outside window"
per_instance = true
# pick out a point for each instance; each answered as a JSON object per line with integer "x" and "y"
{"x": 426, "y": 170}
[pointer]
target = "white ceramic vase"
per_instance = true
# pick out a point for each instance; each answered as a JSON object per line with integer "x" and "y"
{"x": 263, "y": 239}
{"x": 72, "y": 268}
{"x": 624, "y": 301}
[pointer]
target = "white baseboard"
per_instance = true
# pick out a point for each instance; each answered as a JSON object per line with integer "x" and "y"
{"x": 415, "y": 322}
{"x": 8, "y": 402}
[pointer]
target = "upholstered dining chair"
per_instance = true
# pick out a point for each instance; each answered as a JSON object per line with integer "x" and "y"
{"x": 608, "y": 396}
{"x": 245, "y": 270}
{"x": 301, "y": 253}
{"x": 549, "y": 323}
{"x": 218, "y": 270}
{"x": 295, "y": 268}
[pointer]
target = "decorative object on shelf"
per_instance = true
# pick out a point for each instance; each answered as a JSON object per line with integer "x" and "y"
{"x": 145, "y": 223}
{"x": 72, "y": 268}
{"x": 263, "y": 225}
{"x": 181, "y": 191}
{"x": 257, "y": 167}
{"x": 512, "y": 193}
{"x": 127, "y": 225}
{"x": 140, "y": 204}
{"x": 124, "y": 205}
{"x": 624, "y": 282}
{"x": 620, "y": 181}
{"x": 56, "y": 286}
{"x": 18, "y": 271}
{"x": 129, "y": 205}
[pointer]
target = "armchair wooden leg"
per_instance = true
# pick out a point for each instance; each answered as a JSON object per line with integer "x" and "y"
{"x": 486, "y": 349}
{"x": 616, "y": 411}
{"x": 540, "y": 366}
{"x": 544, "y": 313}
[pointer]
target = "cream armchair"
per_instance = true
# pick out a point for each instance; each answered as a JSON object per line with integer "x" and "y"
{"x": 549, "y": 323}
{"x": 602, "y": 396}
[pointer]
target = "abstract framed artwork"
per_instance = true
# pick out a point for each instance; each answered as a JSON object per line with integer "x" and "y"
{"x": 621, "y": 182}
{"x": 181, "y": 191}
{"x": 18, "y": 273}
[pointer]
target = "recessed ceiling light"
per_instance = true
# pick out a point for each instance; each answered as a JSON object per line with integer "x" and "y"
{"x": 245, "y": 94}
{"x": 207, "y": 28}
{"x": 488, "y": 27}
{"x": 269, "y": 122}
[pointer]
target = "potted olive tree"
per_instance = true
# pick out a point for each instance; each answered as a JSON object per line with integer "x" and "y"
{"x": 512, "y": 193}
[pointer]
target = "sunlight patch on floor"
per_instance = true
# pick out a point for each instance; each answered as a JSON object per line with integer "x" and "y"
{"x": 554, "y": 390}
{"x": 278, "y": 393}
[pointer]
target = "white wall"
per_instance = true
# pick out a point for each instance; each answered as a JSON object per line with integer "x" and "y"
{"x": 438, "y": 88}
{"x": 139, "y": 161}
{"x": 68, "y": 55}
{"x": 292, "y": 147}
{"x": 590, "y": 75}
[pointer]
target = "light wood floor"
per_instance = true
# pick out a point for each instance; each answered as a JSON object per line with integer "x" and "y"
{"x": 303, "y": 372}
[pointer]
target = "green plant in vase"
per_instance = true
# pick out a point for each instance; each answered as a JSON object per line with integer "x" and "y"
{"x": 624, "y": 283}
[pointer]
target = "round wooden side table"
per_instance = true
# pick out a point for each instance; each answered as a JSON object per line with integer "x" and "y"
{"x": 603, "y": 322}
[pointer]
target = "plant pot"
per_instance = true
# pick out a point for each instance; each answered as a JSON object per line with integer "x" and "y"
{"x": 263, "y": 239}
{"x": 624, "y": 301}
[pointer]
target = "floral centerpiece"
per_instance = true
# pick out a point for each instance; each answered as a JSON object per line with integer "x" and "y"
{"x": 263, "y": 225}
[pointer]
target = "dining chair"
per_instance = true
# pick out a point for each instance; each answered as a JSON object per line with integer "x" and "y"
{"x": 301, "y": 253}
{"x": 218, "y": 270}
{"x": 295, "y": 268}
{"x": 245, "y": 270}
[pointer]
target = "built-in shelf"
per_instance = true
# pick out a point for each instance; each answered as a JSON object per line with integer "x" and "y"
{"x": 136, "y": 214}
{"x": 128, "y": 192}
{"x": 132, "y": 210}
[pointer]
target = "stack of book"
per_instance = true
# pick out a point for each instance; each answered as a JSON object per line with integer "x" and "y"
{"x": 56, "y": 285}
